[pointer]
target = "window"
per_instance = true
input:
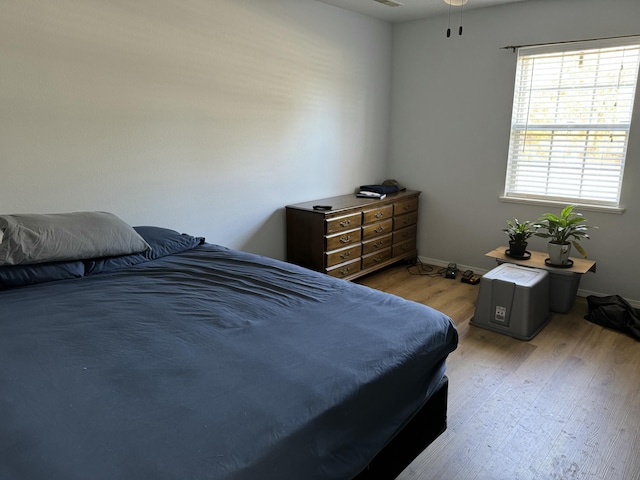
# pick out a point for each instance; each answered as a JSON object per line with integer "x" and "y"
{"x": 570, "y": 122}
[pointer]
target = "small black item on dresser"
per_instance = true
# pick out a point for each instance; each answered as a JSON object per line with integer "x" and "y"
{"x": 322, "y": 207}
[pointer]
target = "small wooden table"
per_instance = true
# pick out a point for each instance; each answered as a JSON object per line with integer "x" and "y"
{"x": 580, "y": 265}
{"x": 563, "y": 288}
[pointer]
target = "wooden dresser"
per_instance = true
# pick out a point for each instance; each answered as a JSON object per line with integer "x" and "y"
{"x": 357, "y": 236}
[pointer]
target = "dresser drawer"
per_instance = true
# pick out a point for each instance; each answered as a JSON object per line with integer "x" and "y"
{"x": 403, "y": 248}
{"x": 340, "y": 256}
{"x": 376, "y": 244}
{"x": 345, "y": 269}
{"x": 343, "y": 239}
{"x": 404, "y": 234}
{"x": 376, "y": 258}
{"x": 381, "y": 213}
{"x": 406, "y": 206}
{"x": 377, "y": 229}
{"x": 341, "y": 224}
{"x": 405, "y": 220}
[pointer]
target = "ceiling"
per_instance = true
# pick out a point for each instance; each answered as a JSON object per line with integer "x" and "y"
{"x": 411, "y": 10}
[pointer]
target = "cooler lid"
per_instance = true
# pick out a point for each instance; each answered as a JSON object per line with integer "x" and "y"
{"x": 523, "y": 276}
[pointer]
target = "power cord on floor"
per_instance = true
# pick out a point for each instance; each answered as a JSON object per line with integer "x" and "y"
{"x": 419, "y": 268}
{"x": 451, "y": 271}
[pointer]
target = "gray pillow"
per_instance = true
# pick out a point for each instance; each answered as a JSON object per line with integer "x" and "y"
{"x": 32, "y": 238}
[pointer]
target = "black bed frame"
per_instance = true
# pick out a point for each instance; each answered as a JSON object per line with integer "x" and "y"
{"x": 427, "y": 425}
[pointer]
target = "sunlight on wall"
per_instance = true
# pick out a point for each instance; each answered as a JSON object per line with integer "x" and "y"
{"x": 160, "y": 109}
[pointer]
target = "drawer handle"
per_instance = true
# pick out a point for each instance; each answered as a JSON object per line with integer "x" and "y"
{"x": 345, "y": 239}
{"x": 345, "y": 255}
{"x": 378, "y": 244}
{"x": 405, "y": 208}
{"x": 345, "y": 223}
{"x": 377, "y": 258}
{"x": 344, "y": 271}
{"x": 380, "y": 229}
{"x": 379, "y": 214}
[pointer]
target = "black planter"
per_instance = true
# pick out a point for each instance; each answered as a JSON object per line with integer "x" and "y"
{"x": 517, "y": 249}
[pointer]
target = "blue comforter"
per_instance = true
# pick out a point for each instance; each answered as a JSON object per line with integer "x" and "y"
{"x": 209, "y": 364}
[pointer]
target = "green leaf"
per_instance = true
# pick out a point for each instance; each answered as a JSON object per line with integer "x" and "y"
{"x": 566, "y": 211}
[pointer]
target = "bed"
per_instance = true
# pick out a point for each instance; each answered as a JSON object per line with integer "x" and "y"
{"x": 181, "y": 359}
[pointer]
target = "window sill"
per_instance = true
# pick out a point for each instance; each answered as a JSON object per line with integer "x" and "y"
{"x": 551, "y": 203}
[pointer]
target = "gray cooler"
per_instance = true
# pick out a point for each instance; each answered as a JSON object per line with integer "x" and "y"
{"x": 514, "y": 301}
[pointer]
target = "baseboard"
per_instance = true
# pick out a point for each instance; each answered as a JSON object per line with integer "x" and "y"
{"x": 442, "y": 263}
{"x": 482, "y": 271}
{"x": 586, "y": 293}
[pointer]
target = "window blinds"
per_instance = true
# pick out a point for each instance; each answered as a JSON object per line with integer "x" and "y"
{"x": 570, "y": 122}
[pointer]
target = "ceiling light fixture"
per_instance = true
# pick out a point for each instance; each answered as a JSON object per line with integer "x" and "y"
{"x": 455, "y": 3}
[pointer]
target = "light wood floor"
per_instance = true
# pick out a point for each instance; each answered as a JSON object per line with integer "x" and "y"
{"x": 565, "y": 405}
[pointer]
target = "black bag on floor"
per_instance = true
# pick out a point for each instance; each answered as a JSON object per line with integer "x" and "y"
{"x": 615, "y": 312}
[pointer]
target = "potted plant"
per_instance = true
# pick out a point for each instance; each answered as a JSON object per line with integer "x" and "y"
{"x": 563, "y": 231}
{"x": 519, "y": 233}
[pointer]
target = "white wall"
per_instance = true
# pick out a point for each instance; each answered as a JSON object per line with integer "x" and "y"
{"x": 451, "y": 110}
{"x": 203, "y": 116}
{"x": 209, "y": 116}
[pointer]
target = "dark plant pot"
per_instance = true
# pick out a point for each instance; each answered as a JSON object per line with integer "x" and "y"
{"x": 517, "y": 249}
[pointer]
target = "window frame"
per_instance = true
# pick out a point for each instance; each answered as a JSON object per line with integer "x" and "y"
{"x": 520, "y": 130}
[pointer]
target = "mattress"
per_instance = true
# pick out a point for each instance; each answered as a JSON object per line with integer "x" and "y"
{"x": 210, "y": 363}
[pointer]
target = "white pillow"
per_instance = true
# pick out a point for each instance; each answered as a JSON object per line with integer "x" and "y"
{"x": 33, "y": 238}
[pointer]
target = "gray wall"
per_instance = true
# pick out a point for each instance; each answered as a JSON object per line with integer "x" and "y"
{"x": 451, "y": 110}
{"x": 209, "y": 116}
{"x": 203, "y": 116}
